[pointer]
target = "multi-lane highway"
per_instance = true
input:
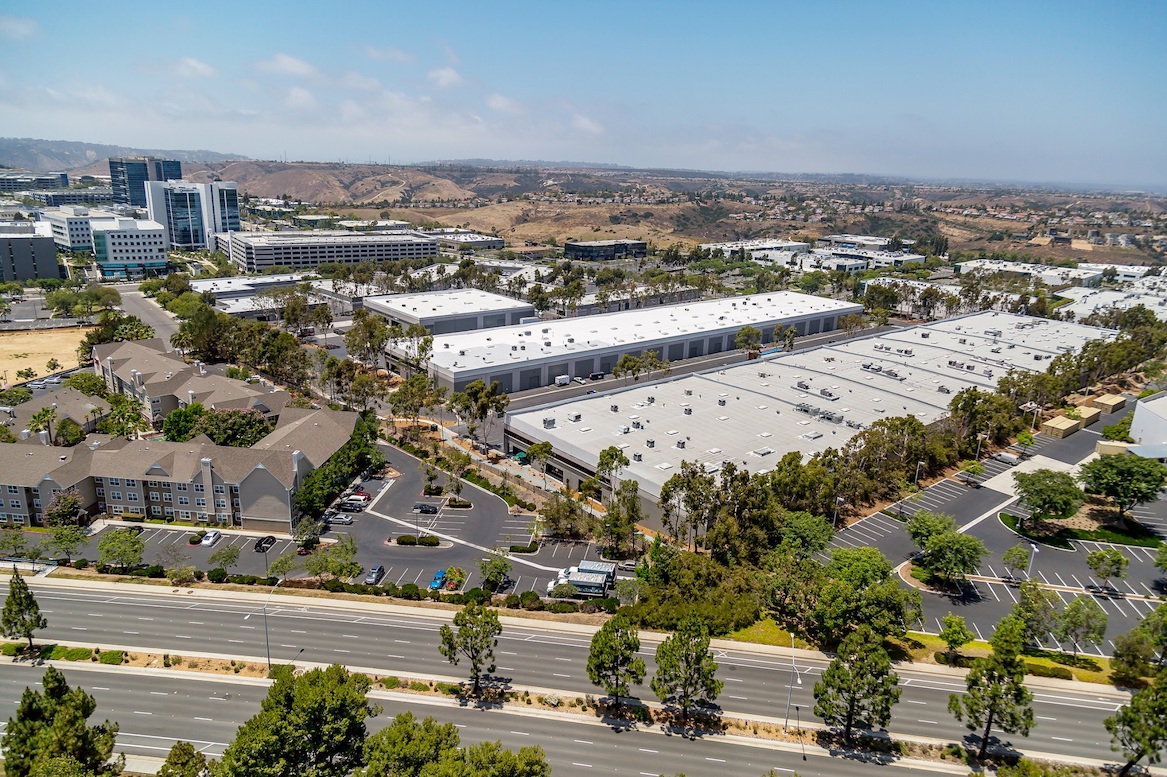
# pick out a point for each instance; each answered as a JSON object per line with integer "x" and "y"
{"x": 155, "y": 710}
{"x": 531, "y": 654}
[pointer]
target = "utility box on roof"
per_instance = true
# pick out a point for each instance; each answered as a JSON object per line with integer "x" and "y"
{"x": 1089, "y": 415}
{"x": 1108, "y": 403}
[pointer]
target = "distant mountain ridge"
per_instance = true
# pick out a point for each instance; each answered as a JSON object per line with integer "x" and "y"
{"x": 52, "y": 155}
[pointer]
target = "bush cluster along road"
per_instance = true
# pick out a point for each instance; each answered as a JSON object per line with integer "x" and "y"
{"x": 532, "y": 655}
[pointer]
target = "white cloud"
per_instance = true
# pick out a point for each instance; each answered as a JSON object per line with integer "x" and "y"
{"x": 17, "y": 27}
{"x": 285, "y": 64}
{"x": 445, "y": 77}
{"x": 354, "y": 80}
{"x": 298, "y": 97}
{"x": 584, "y": 124}
{"x": 388, "y": 54}
{"x": 189, "y": 67}
{"x": 504, "y": 104}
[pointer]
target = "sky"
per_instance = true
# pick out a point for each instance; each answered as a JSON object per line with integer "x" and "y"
{"x": 1068, "y": 91}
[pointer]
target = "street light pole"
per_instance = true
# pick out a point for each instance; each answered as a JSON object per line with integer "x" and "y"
{"x": 794, "y": 676}
{"x": 266, "y": 637}
{"x": 980, "y": 439}
{"x": 1029, "y": 569}
{"x": 919, "y": 464}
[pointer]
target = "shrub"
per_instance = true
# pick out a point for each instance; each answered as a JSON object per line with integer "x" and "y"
{"x": 103, "y": 569}
{"x": 333, "y": 586}
{"x": 111, "y": 657}
{"x": 513, "y": 602}
{"x": 199, "y": 575}
{"x": 390, "y": 682}
{"x": 411, "y": 592}
{"x": 532, "y": 548}
{"x": 391, "y": 589}
{"x": 530, "y": 600}
{"x": 562, "y": 607}
{"x": 155, "y": 571}
{"x": 81, "y": 563}
{"x": 476, "y": 596}
{"x": 454, "y": 599}
{"x": 1041, "y": 670}
{"x": 133, "y": 518}
{"x": 245, "y": 579}
{"x": 10, "y": 648}
{"x": 193, "y": 539}
{"x": 217, "y": 575}
{"x": 608, "y": 605}
{"x": 428, "y": 541}
{"x": 406, "y": 539}
{"x": 450, "y": 689}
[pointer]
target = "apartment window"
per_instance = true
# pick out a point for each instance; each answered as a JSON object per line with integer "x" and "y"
{"x": 220, "y": 503}
{"x": 200, "y": 501}
{"x": 132, "y": 496}
{"x": 154, "y": 496}
{"x": 117, "y": 509}
{"x": 199, "y": 488}
{"x": 184, "y": 500}
{"x": 152, "y": 483}
{"x": 181, "y": 486}
{"x": 131, "y": 483}
{"x": 235, "y": 502}
{"x": 115, "y": 481}
{"x": 170, "y": 512}
{"x": 115, "y": 494}
{"x": 13, "y": 490}
{"x": 36, "y": 503}
{"x": 167, "y": 496}
{"x": 14, "y": 503}
{"x": 184, "y": 515}
{"x": 155, "y": 510}
{"x": 220, "y": 490}
{"x": 100, "y": 491}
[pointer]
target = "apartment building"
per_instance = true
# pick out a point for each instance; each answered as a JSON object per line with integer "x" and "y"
{"x": 162, "y": 382}
{"x": 252, "y": 488}
{"x": 69, "y": 403}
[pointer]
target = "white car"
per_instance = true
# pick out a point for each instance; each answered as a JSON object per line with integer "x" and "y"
{"x": 211, "y": 537}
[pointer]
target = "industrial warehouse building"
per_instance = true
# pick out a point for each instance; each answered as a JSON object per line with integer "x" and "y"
{"x": 595, "y": 250}
{"x": 533, "y": 355}
{"x": 255, "y": 252}
{"x": 452, "y": 310}
{"x": 806, "y": 401}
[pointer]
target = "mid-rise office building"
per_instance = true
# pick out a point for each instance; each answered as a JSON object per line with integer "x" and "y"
{"x": 128, "y": 177}
{"x": 22, "y": 180}
{"x": 26, "y": 254}
{"x": 72, "y": 226}
{"x": 192, "y": 212}
{"x": 94, "y": 195}
{"x": 129, "y": 248}
{"x": 594, "y": 250}
{"x": 255, "y": 252}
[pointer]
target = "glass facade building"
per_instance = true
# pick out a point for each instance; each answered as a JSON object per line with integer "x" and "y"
{"x": 128, "y": 177}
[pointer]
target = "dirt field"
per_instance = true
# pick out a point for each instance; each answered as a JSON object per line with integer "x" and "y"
{"x": 34, "y": 349}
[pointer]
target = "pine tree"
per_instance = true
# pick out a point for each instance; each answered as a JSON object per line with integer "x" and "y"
{"x": 183, "y": 761}
{"x": 686, "y": 672}
{"x": 612, "y": 660}
{"x": 997, "y": 696}
{"x": 22, "y": 616}
{"x": 50, "y": 724}
{"x": 858, "y": 686}
{"x": 1139, "y": 729}
{"x": 476, "y": 638}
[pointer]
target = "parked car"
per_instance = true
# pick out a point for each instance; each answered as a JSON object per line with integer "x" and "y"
{"x": 264, "y": 544}
{"x": 578, "y": 380}
{"x": 211, "y": 537}
{"x": 374, "y": 575}
{"x": 345, "y": 519}
{"x": 36, "y": 384}
{"x": 358, "y": 494}
{"x": 1011, "y": 459}
{"x": 351, "y": 507}
{"x": 439, "y": 578}
{"x": 425, "y": 509}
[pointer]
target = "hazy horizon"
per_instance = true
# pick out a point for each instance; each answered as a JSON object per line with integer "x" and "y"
{"x": 1044, "y": 93}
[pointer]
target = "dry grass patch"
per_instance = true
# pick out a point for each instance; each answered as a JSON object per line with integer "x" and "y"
{"x": 19, "y": 350}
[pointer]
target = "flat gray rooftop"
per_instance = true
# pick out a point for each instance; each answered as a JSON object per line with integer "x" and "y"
{"x": 750, "y": 413}
{"x": 430, "y": 305}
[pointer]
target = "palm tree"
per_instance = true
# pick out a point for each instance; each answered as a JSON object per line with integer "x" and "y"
{"x": 182, "y": 342}
{"x": 43, "y": 420}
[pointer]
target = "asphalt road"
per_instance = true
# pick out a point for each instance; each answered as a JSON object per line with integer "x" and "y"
{"x": 208, "y": 711}
{"x": 530, "y": 655}
{"x": 135, "y": 303}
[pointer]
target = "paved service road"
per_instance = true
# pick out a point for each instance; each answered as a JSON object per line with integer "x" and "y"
{"x": 530, "y": 654}
{"x": 135, "y": 303}
{"x": 207, "y": 712}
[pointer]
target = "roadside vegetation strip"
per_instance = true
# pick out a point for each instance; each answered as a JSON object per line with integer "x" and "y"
{"x": 652, "y": 715}
{"x": 1136, "y": 534}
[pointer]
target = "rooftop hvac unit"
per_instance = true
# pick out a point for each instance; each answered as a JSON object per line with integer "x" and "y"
{"x": 650, "y": 400}
{"x": 614, "y": 408}
{"x": 571, "y": 339}
{"x": 461, "y": 353}
{"x": 650, "y": 443}
{"x": 925, "y": 335}
{"x": 681, "y": 444}
{"x": 638, "y": 456}
{"x": 721, "y": 402}
{"x": 574, "y": 417}
{"x": 688, "y": 392}
{"x": 546, "y": 330}
{"x": 688, "y": 411}
{"x": 548, "y": 423}
{"x": 624, "y": 430}
{"x": 514, "y": 347}
{"x": 637, "y": 425}
{"x": 445, "y": 345}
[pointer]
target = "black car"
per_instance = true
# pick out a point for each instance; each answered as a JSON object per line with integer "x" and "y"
{"x": 425, "y": 509}
{"x": 264, "y": 544}
{"x": 375, "y": 574}
{"x": 350, "y": 507}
